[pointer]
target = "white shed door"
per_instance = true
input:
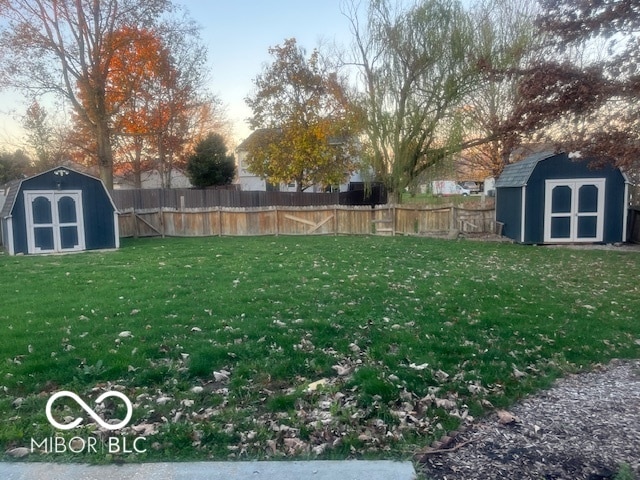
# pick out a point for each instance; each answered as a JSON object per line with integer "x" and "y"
{"x": 574, "y": 210}
{"x": 54, "y": 221}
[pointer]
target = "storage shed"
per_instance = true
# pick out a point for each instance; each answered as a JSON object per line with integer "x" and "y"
{"x": 60, "y": 210}
{"x": 552, "y": 198}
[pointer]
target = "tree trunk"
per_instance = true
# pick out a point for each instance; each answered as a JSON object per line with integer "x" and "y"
{"x": 105, "y": 154}
{"x": 137, "y": 163}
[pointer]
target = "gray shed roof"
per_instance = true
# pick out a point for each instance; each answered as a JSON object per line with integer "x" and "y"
{"x": 12, "y": 191}
{"x": 517, "y": 174}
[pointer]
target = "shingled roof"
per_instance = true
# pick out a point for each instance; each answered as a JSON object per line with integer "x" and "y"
{"x": 517, "y": 174}
{"x": 11, "y": 192}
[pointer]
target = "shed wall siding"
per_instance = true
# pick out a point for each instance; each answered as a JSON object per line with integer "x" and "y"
{"x": 559, "y": 167}
{"x": 19, "y": 222}
{"x": 509, "y": 211}
{"x": 562, "y": 168}
{"x": 98, "y": 212}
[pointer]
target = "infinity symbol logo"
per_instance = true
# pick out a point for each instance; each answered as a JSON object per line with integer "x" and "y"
{"x": 87, "y": 409}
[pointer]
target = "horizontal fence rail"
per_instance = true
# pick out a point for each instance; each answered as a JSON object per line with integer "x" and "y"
{"x": 310, "y": 220}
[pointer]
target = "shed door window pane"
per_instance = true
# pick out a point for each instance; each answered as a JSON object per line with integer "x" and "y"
{"x": 68, "y": 237}
{"x": 561, "y": 227}
{"x": 41, "y": 211}
{"x": 67, "y": 210}
{"x": 43, "y": 238}
{"x": 587, "y": 227}
{"x": 561, "y": 199}
{"x": 588, "y": 199}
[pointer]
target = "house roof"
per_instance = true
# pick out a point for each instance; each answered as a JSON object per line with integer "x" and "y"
{"x": 517, "y": 174}
{"x": 257, "y": 136}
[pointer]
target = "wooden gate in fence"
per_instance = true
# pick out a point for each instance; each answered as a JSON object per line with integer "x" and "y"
{"x": 314, "y": 220}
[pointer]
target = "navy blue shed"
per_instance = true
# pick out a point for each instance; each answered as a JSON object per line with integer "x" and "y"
{"x": 60, "y": 210}
{"x": 552, "y": 198}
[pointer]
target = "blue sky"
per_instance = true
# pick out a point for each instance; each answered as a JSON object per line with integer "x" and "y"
{"x": 238, "y": 34}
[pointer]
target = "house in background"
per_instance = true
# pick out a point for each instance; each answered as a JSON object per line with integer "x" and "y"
{"x": 552, "y": 198}
{"x": 152, "y": 179}
{"x": 250, "y": 182}
{"x": 58, "y": 211}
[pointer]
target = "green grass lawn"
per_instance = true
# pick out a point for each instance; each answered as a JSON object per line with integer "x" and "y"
{"x": 311, "y": 347}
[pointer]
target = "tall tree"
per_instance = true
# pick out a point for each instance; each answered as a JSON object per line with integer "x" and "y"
{"x": 13, "y": 166}
{"x": 182, "y": 100}
{"x": 303, "y": 102}
{"x": 139, "y": 65}
{"x": 416, "y": 64}
{"x": 506, "y": 35}
{"x": 40, "y": 135}
{"x": 595, "y": 100}
{"x": 60, "y": 47}
{"x": 46, "y": 137}
{"x": 159, "y": 98}
{"x": 210, "y": 164}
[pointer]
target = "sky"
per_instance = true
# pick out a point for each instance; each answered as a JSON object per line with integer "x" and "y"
{"x": 238, "y": 34}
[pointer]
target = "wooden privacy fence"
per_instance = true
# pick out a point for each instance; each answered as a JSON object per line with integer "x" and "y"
{"x": 316, "y": 220}
{"x": 181, "y": 198}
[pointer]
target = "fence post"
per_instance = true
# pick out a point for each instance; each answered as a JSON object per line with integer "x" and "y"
{"x": 183, "y": 216}
{"x": 452, "y": 218}
{"x": 394, "y": 213}
{"x": 136, "y": 232}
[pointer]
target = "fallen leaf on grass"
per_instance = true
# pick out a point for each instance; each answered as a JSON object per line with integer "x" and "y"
{"x": 221, "y": 376}
{"x": 313, "y": 386}
{"x": 445, "y": 403}
{"x": 295, "y": 445}
{"x": 422, "y": 366}
{"x": 517, "y": 373}
{"x": 319, "y": 449}
{"x": 18, "y": 452}
{"x": 271, "y": 444}
{"x": 146, "y": 429}
{"x": 341, "y": 370}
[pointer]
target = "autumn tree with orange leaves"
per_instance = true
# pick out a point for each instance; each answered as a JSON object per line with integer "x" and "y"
{"x": 139, "y": 63}
{"x": 109, "y": 59}
{"x": 157, "y": 101}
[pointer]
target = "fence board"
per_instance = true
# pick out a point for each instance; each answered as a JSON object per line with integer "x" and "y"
{"x": 181, "y": 198}
{"x": 311, "y": 220}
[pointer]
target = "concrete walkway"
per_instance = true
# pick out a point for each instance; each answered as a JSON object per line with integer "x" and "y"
{"x": 298, "y": 470}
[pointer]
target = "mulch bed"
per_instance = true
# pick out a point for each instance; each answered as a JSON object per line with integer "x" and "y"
{"x": 586, "y": 427}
